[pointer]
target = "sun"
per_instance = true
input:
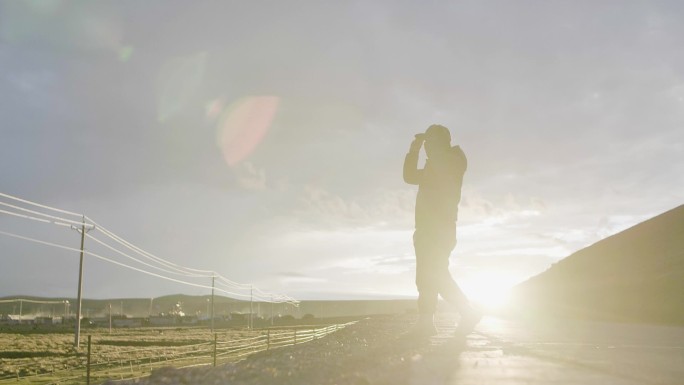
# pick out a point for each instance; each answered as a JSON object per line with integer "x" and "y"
{"x": 491, "y": 291}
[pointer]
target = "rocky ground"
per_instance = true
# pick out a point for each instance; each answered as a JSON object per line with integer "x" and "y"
{"x": 376, "y": 350}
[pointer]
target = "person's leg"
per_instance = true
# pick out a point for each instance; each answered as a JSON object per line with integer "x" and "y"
{"x": 469, "y": 314}
{"x": 426, "y": 283}
{"x": 451, "y": 292}
{"x": 444, "y": 243}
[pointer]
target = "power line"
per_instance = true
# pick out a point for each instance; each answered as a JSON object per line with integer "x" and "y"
{"x": 159, "y": 275}
{"x": 102, "y": 258}
{"x": 33, "y": 218}
{"x": 227, "y": 281}
{"x": 177, "y": 267}
{"x": 39, "y": 241}
{"x": 40, "y": 205}
{"x": 230, "y": 284}
{"x": 146, "y": 254}
{"x": 79, "y": 223}
{"x": 168, "y": 267}
{"x": 122, "y": 264}
{"x": 139, "y": 261}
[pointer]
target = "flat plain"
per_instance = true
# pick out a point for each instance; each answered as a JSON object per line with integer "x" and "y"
{"x": 48, "y": 356}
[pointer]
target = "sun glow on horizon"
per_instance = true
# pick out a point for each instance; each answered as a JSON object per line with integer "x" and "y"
{"x": 491, "y": 291}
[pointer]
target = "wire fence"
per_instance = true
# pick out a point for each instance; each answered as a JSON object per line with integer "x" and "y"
{"x": 95, "y": 366}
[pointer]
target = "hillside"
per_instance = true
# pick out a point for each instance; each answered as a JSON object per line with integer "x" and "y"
{"x": 199, "y": 305}
{"x": 128, "y": 306}
{"x": 636, "y": 276}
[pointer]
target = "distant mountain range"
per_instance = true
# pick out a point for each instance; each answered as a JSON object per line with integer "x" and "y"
{"x": 636, "y": 275}
{"x": 122, "y": 306}
{"x": 200, "y": 306}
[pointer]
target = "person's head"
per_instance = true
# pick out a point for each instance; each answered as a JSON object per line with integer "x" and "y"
{"x": 437, "y": 140}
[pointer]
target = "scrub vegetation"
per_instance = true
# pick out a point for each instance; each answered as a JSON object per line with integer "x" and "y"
{"x": 42, "y": 358}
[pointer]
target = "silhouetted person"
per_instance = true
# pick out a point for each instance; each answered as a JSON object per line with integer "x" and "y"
{"x": 439, "y": 192}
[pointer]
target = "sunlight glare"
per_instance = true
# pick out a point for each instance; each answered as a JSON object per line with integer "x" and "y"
{"x": 490, "y": 291}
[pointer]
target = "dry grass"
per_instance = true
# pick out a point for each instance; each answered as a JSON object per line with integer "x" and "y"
{"x": 41, "y": 358}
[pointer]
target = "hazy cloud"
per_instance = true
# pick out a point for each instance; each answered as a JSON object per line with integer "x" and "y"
{"x": 570, "y": 114}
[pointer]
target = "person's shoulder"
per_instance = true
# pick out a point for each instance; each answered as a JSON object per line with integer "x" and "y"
{"x": 459, "y": 158}
{"x": 457, "y": 151}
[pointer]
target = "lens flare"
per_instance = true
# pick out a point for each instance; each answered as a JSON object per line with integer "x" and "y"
{"x": 179, "y": 80}
{"x": 213, "y": 109}
{"x": 125, "y": 53}
{"x": 244, "y": 125}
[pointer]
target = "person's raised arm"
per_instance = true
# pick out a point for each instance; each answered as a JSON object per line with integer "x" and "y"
{"x": 412, "y": 174}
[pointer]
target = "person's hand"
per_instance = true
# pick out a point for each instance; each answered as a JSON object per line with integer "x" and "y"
{"x": 417, "y": 143}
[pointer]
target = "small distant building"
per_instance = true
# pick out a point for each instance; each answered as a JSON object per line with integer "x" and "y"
{"x": 16, "y": 319}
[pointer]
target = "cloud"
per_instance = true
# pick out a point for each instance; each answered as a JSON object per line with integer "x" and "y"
{"x": 62, "y": 25}
{"x": 288, "y": 278}
{"x": 377, "y": 208}
{"x": 249, "y": 177}
{"x": 380, "y": 265}
{"x": 569, "y": 113}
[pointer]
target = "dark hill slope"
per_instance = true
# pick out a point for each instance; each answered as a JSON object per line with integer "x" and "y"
{"x": 636, "y": 275}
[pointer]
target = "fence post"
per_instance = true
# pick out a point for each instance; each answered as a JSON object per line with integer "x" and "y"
{"x": 215, "y": 338}
{"x": 268, "y": 339}
{"x": 88, "y": 363}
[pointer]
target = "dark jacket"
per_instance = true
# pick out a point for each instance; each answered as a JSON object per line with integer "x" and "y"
{"x": 439, "y": 186}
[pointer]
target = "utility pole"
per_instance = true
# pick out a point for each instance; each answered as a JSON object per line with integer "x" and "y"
{"x": 213, "y": 278}
{"x": 110, "y": 318}
{"x": 77, "y": 334}
{"x": 251, "y": 299}
{"x": 271, "y": 310}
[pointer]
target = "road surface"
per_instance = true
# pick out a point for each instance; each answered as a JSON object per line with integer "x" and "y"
{"x": 506, "y": 352}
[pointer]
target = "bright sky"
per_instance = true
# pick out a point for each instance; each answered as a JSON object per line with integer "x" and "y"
{"x": 265, "y": 140}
